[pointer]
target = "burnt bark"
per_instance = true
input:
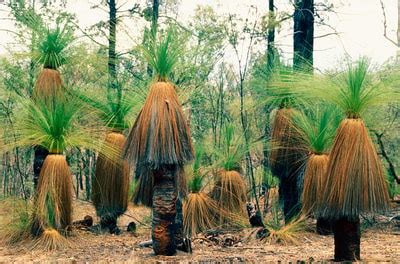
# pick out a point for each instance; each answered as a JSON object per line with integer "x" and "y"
{"x": 324, "y": 226}
{"x": 164, "y": 211}
{"x": 303, "y": 36}
{"x": 112, "y": 57}
{"x": 347, "y": 237}
{"x": 39, "y": 157}
{"x": 289, "y": 194}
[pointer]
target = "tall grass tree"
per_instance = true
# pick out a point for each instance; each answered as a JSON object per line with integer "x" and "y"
{"x": 230, "y": 190}
{"x": 57, "y": 127}
{"x": 110, "y": 187}
{"x": 316, "y": 128}
{"x": 159, "y": 144}
{"x": 51, "y": 54}
{"x": 355, "y": 182}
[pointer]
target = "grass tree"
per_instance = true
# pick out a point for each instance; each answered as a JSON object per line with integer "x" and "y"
{"x": 316, "y": 129}
{"x": 199, "y": 210}
{"x": 159, "y": 144}
{"x": 285, "y": 151}
{"x": 355, "y": 181}
{"x": 51, "y": 54}
{"x": 230, "y": 188}
{"x": 110, "y": 185}
{"x": 57, "y": 127}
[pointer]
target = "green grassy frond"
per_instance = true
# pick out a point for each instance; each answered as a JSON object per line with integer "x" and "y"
{"x": 317, "y": 127}
{"x": 284, "y": 88}
{"x": 52, "y": 47}
{"x": 163, "y": 54}
{"x": 58, "y": 126}
{"x": 15, "y": 220}
{"x": 115, "y": 114}
{"x": 355, "y": 90}
{"x": 196, "y": 181}
{"x": 279, "y": 232}
{"x": 232, "y": 150}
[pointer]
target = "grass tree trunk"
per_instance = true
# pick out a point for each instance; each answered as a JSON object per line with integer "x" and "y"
{"x": 347, "y": 237}
{"x": 324, "y": 226}
{"x": 164, "y": 211}
{"x": 40, "y": 155}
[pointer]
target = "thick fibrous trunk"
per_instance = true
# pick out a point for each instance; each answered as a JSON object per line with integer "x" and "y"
{"x": 303, "y": 37}
{"x": 179, "y": 235}
{"x": 347, "y": 239}
{"x": 164, "y": 211}
{"x": 40, "y": 155}
{"x": 289, "y": 193}
{"x": 324, "y": 226}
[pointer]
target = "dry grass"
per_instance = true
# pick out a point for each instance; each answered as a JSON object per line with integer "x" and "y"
{"x": 199, "y": 213}
{"x": 50, "y": 240}
{"x": 48, "y": 85}
{"x": 15, "y": 221}
{"x": 230, "y": 193}
{"x": 111, "y": 180}
{"x": 53, "y": 204}
{"x": 160, "y": 134}
{"x": 284, "y": 149}
{"x": 288, "y": 234}
{"x": 314, "y": 180}
{"x": 355, "y": 180}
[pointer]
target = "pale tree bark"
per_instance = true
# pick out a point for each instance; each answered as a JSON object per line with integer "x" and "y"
{"x": 395, "y": 42}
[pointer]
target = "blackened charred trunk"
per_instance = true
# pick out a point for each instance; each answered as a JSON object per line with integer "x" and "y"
{"x": 271, "y": 52}
{"x": 347, "y": 236}
{"x": 164, "y": 211}
{"x": 154, "y": 17}
{"x": 324, "y": 226}
{"x": 112, "y": 67}
{"x": 303, "y": 36}
{"x": 40, "y": 155}
{"x": 153, "y": 29}
{"x": 289, "y": 195}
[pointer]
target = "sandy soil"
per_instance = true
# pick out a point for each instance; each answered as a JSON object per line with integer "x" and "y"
{"x": 379, "y": 244}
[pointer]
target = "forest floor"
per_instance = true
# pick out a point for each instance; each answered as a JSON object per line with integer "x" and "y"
{"x": 379, "y": 243}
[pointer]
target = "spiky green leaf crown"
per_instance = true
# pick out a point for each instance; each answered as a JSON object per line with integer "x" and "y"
{"x": 52, "y": 47}
{"x": 163, "y": 54}
{"x": 114, "y": 114}
{"x": 317, "y": 127}
{"x": 57, "y": 126}
{"x": 283, "y": 88}
{"x": 354, "y": 90}
{"x": 232, "y": 150}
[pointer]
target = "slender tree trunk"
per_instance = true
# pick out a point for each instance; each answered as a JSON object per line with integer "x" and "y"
{"x": 154, "y": 17}
{"x": 112, "y": 71}
{"x": 271, "y": 52}
{"x": 271, "y": 38}
{"x": 347, "y": 237}
{"x": 164, "y": 211}
{"x": 303, "y": 36}
{"x": 153, "y": 28}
